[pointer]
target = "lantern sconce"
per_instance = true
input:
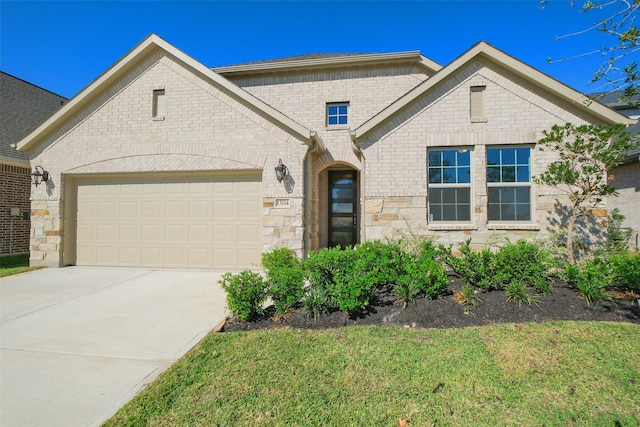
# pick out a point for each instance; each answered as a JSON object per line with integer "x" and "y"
{"x": 38, "y": 175}
{"x": 281, "y": 171}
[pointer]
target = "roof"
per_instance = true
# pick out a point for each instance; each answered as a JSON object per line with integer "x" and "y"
{"x": 489, "y": 53}
{"x": 630, "y": 108}
{"x": 327, "y": 61}
{"x": 23, "y": 106}
{"x": 127, "y": 63}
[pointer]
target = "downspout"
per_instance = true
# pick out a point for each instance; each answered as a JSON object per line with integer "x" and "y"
{"x": 358, "y": 152}
{"x": 317, "y": 146}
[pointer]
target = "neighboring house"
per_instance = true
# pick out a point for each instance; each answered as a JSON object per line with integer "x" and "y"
{"x": 23, "y": 106}
{"x": 162, "y": 161}
{"x": 627, "y": 176}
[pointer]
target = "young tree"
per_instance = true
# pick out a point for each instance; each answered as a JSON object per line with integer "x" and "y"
{"x": 619, "y": 70}
{"x": 587, "y": 156}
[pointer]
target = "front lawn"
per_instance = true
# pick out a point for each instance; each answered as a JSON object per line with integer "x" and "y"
{"x": 15, "y": 264}
{"x": 556, "y": 373}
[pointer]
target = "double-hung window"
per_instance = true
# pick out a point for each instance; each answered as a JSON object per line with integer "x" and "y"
{"x": 337, "y": 113}
{"x": 509, "y": 183}
{"x": 449, "y": 184}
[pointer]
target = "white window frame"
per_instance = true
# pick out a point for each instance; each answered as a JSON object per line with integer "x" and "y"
{"x": 338, "y": 115}
{"x": 434, "y": 186}
{"x": 508, "y": 184}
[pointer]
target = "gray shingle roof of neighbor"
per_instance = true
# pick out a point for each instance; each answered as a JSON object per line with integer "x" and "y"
{"x": 23, "y": 106}
{"x": 629, "y": 109}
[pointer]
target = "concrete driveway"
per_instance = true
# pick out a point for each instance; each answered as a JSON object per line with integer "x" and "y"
{"x": 79, "y": 342}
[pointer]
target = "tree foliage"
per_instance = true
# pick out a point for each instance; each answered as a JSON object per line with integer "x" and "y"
{"x": 619, "y": 71}
{"x": 587, "y": 155}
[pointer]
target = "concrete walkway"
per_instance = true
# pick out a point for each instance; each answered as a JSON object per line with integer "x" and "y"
{"x": 78, "y": 342}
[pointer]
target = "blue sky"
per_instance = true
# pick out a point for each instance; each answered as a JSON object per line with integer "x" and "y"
{"x": 63, "y": 45}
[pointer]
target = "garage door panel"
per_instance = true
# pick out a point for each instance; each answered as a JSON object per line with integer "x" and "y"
{"x": 151, "y": 233}
{"x": 213, "y": 222}
{"x": 249, "y": 234}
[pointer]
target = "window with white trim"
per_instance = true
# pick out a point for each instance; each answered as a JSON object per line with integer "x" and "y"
{"x": 337, "y": 113}
{"x": 509, "y": 183}
{"x": 449, "y": 182}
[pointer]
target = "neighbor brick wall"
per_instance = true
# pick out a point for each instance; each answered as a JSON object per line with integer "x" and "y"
{"x": 15, "y": 182}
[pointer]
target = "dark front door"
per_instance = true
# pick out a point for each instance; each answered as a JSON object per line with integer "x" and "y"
{"x": 343, "y": 208}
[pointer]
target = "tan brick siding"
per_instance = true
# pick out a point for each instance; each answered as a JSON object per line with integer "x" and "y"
{"x": 627, "y": 183}
{"x": 15, "y": 185}
{"x": 204, "y": 129}
{"x": 396, "y": 155}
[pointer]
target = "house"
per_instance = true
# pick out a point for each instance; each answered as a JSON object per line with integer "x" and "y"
{"x": 162, "y": 161}
{"x": 626, "y": 178}
{"x": 23, "y": 106}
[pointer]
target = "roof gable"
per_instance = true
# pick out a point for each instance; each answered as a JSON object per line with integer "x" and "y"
{"x": 487, "y": 52}
{"x": 128, "y": 62}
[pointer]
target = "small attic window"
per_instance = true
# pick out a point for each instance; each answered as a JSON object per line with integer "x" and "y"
{"x": 158, "y": 110}
{"x": 478, "y": 114}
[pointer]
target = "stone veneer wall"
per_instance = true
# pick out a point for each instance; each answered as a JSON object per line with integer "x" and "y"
{"x": 15, "y": 182}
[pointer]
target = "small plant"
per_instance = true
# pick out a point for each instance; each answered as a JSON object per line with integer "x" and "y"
{"x": 590, "y": 278}
{"x": 466, "y": 295}
{"x": 316, "y": 300}
{"x": 285, "y": 280}
{"x": 406, "y": 289}
{"x": 246, "y": 293}
{"x": 517, "y": 292}
{"x": 617, "y": 236}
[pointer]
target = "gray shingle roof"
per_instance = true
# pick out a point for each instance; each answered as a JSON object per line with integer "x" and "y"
{"x": 23, "y": 106}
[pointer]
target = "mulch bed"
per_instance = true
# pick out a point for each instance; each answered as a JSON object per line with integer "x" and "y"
{"x": 564, "y": 303}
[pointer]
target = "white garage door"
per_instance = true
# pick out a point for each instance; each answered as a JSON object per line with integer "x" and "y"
{"x": 213, "y": 222}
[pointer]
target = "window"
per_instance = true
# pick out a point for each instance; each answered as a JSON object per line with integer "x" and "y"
{"x": 449, "y": 185}
{"x": 509, "y": 184}
{"x": 337, "y": 114}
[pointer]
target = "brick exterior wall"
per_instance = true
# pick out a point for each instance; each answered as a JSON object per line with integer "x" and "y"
{"x": 396, "y": 157}
{"x": 627, "y": 182}
{"x": 204, "y": 129}
{"x": 15, "y": 182}
{"x": 207, "y": 129}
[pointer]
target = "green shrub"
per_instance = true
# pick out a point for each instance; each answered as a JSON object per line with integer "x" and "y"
{"x": 625, "y": 270}
{"x": 345, "y": 277}
{"x": 466, "y": 295}
{"x": 246, "y": 293}
{"x": 380, "y": 262}
{"x": 474, "y": 267}
{"x": 524, "y": 262}
{"x": 590, "y": 277}
{"x": 285, "y": 279}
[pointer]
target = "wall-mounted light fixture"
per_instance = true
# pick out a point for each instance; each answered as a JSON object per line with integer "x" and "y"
{"x": 38, "y": 175}
{"x": 281, "y": 171}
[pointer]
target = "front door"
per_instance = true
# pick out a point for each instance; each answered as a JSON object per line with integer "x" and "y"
{"x": 343, "y": 208}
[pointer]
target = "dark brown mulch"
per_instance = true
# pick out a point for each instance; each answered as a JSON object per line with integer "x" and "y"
{"x": 492, "y": 307}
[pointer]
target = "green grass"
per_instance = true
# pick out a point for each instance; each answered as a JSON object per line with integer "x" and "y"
{"x": 554, "y": 374}
{"x": 15, "y": 264}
